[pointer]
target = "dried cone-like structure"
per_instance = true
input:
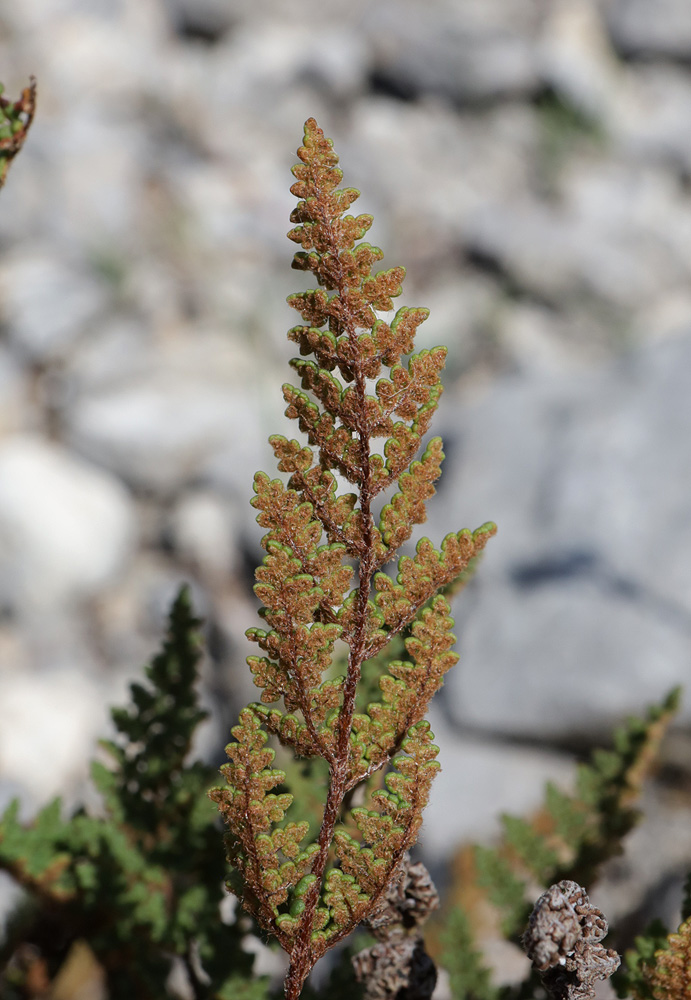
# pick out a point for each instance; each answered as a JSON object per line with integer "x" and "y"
{"x": 310, "y": 896}
{"x": 397, "y": 967}
{"x": 563, "y": 941}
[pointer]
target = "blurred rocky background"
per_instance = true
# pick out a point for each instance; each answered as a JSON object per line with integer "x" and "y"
{"x": 530, "y": 163}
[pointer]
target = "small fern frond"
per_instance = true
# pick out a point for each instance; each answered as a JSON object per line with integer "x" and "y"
{"x": 15, "y": 121}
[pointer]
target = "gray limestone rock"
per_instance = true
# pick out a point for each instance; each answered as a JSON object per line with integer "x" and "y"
{"x": 479, "y": 780}
{"x": 47, "y": 302}
{"x": 652, "y": 113}
{"x": 67, "y": 709}
{"x": 643, "y": 29}
{"x": 581, "y": 611}
{"x": 158, "y": 432}
{"x": 564, "y": 254}
{"x": 66, "y": 528}
{"x": 471, "y": 53}
{"x": 204, "y": 536}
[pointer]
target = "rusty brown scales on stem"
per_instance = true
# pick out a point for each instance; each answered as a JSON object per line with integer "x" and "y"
{"x": 312, "y": 895}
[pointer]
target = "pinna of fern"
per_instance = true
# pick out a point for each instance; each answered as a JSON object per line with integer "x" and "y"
{"x": 659, "y": 966}
{"x": 311, "y": 895}
{"x": 15, "y": 121}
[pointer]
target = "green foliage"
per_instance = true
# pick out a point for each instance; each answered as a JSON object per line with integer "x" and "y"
{"x": 574, "y": 834}
{"x": 142, "y": 882}
{"x": 15, "y": 120}
{"x": 570, "y": 837}
{"x": 633, "y": 977}
{"x": 608, "y": 788}
{"x": 505, "y": 889}
{"x": 658, "y": 967}
{"x": 468, "y": 976}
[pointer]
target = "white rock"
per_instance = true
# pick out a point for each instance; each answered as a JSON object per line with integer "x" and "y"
{"x": 563, "y": 657}
{"x": 99, "y": 161}
{"x": 576, "y": 57}
{"x": 121, "y": 349}
{"x": 47, "y": 302}
{"x": 651, "y": 115}
{"x": 470, "y": 53}
{"x": 66, "y": 528}
{"x": 561, "y": 255}
{"x": 164, "y": 428}
{"x": 286, "y": 51}
{"x": 650, "y": 28}
{"x": 581, "y": 611}
{"x": 157, "y": 433}
{"x": 89, "y": 56}
{"x": 203, "y": 534}
{"x": 538, "y": 340}
{"x": 480, "y": 780}
{"x": 470, "y": 160}
{"x": 49, "y": 724}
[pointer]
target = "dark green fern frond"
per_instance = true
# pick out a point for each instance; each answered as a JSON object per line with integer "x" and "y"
{"x": 609, "y": 787}
{"x": 633, "y": 978}
{"x": 151, "y": 786}
{"x": 143, "y": 882}
{"x": 572, "y": 835}
{"x": 469, "y": 978}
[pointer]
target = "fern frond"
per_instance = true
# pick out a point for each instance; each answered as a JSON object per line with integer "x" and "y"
{"x": 15, "y": 121}
{"x": 469, "y": 978}
{"x": 121, "y": 881}
{"x": 314, "y": 532}
{"x": 574, "y": 834}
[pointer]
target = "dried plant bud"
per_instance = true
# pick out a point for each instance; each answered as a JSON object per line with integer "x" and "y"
{"x": 398, "y": 966}
{"x": 396, "y": 969}
{"x": 410, "y": 898}
{"x": 563, "y": 942}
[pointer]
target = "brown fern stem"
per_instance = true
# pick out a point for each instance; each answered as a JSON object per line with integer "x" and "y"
{"x": 300, "y": 957}
{"x": 333, "y": 531}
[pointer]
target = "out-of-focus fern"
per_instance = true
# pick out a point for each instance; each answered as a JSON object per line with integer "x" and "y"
{"x": 505, "y": 889}
{"x": 633, "y": 977}
{"x": 143, "y": 882}
{"x": 609, "y": 788}
{"x": 573, "y": 835}
{"x": 658, "y": 967}
{"x": 469, "y": 978}
{"x": 570, "y": 837}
